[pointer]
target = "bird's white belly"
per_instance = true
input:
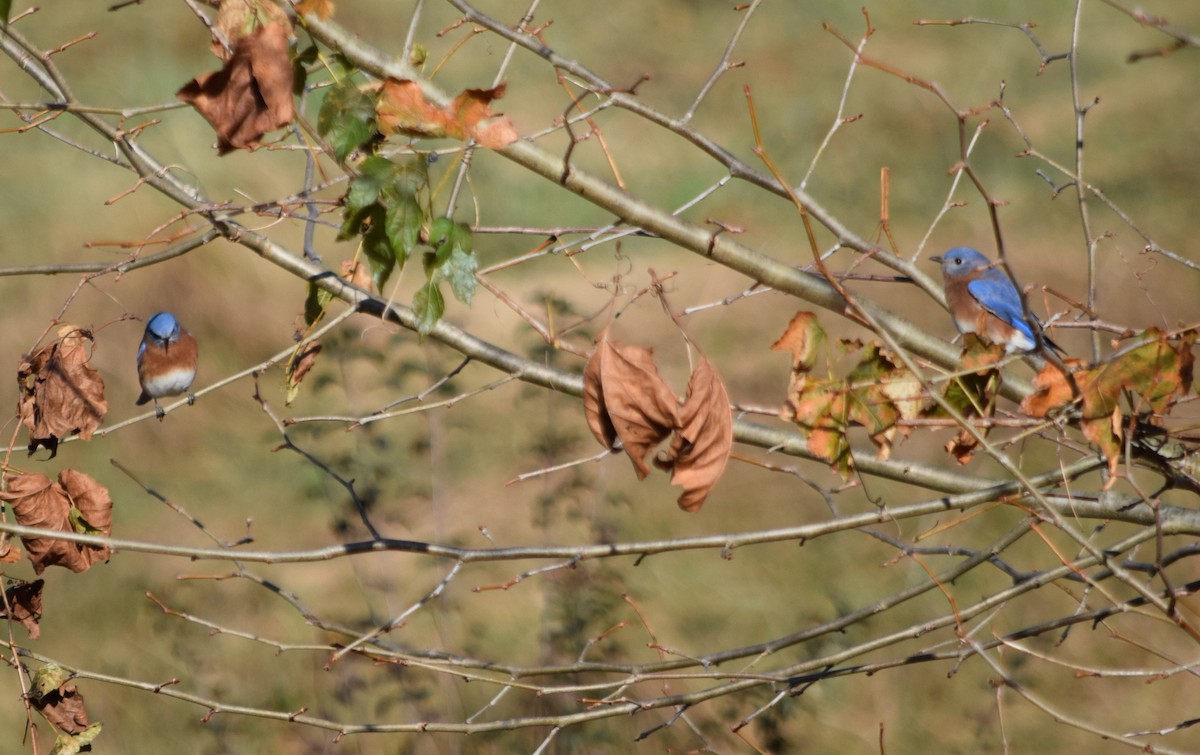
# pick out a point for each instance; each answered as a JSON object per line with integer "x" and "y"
{"x": 170, "y": 383}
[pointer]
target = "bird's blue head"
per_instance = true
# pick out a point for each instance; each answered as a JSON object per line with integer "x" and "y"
{"x": 961, "y": 260}
{"x": 163, "y": 327}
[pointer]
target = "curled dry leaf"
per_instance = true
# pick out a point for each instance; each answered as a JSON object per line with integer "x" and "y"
{"x": 63, "y": 707}
{"x": 298, "y": 366}
{"x": 252, "y": 94}
{"x": 59, "y": 393}
{"x": 402, "y": 108}
{"x": 703, "y": 438}
{"x": 23, "y": 604}
{"x": 625, "y": 397}
{"x": 76, "y": 503}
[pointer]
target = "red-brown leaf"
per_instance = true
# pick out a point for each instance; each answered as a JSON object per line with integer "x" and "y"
{"x": 23, "y": 604}
{"x": 37, "y": 502}
{"x": 402, "y": 108}
{"x": 625, "y": 397}
{"x": 252, "y": 94}
{"x": 703, "y": 438}
{"x": 59, "y": 393}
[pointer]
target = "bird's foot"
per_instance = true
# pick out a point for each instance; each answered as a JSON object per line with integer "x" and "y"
{"x": 191, "y": 399}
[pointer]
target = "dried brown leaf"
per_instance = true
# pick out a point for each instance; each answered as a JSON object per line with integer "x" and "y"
{"x": 63, "y": 707}
{"x": 625, "y": 397}
{"x": 252, "y": 94}
{"x": 59, "y": 393}
{"x": 703, "y": 438}
{"x": 23, "y": 604}
{"x": 37, "y": 502}
{"x": 402, "y": 108}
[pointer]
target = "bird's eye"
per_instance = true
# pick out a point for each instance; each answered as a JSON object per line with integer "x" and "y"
{"x": 958, "y": 260}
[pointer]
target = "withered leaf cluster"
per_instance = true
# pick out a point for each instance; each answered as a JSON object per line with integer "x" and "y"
{"x": 59, "y": 393}
{"x": 252, "y": 95}
{"x": 876, "y": 394}
{"x": 1157, "y": 373}
{"x": 625, "y": 398}
{"x": 76, "y": 503}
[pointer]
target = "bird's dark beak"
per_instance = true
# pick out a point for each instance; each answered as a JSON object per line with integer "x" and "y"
{"x": 935, "y": 258}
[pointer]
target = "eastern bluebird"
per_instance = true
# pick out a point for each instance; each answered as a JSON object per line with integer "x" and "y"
{"x": 984, "y": 301}
{"x": 166, "y": 361}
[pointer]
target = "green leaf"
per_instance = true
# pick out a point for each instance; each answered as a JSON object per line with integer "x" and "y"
{"x": 81, "y": 525}
{"x": 304, "y": 58}
{"x": 347, "y": 118}
{"x": 403, "y": 226}
{"x": 380, "y": 255}
{"x": 69, "y": 744}
{"x": 440, "y": 232}
{"x": 47, "y": 679}
{"x": 315, "y": 303}
{"x": 374, "y": 173}
{"x": 5, "y": 8}
{"x": 429, "y": 305}
{"x": 352, "y": 225}
{"x": 459, "y": 272}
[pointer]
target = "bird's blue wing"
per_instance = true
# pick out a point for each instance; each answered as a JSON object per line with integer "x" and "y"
{"x": 141, "y": 350}
{"x": 1000, "y": 297}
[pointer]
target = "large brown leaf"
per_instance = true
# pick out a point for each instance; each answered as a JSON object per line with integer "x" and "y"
{"x": 76, "y": 503}
{"x": 402, "y": 108}
{"x": 252, "y": 94}
{"x": 59, "y": 393}
{"x": 625, "y": 397}
{"x": 703, "y": 438}
{"x": 23, "y": 604}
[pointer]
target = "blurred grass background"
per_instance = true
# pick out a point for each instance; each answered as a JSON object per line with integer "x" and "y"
{"x": 440, "y": 476}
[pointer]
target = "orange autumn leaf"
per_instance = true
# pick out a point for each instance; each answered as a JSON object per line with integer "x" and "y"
{"x": 703, "y": 438}
{"x": 59, "y": 393}
{"x": 252, "y": 94}
{"x": 402, "y": 108}
{"x": 76, "y": 503}
{"x": 804, "y": 337}
{"x": 624, "y": 397}
{"x": 1050, "y": 389}
{"x": 322, "y": 9}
